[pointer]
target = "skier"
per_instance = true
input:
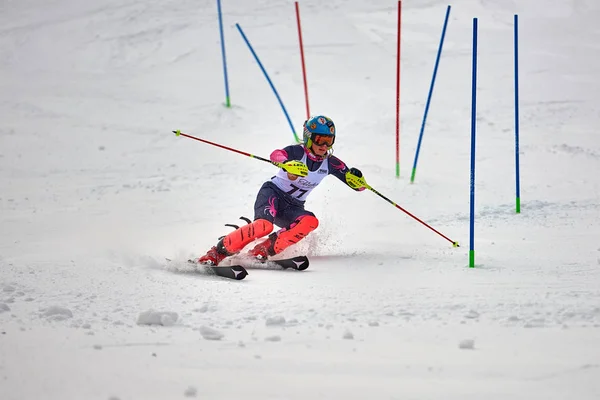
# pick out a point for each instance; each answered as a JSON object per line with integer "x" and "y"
{"x": 280, "y": 200}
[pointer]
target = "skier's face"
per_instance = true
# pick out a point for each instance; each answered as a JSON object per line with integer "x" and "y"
{"x": 320, "y": 150}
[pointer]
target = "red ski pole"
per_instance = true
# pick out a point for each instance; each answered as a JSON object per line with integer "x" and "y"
{"x": 293, "y": 167}
{"x": 359, "y": 182}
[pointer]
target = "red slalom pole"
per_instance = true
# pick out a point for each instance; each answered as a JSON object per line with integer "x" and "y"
{"x": 398, "y": 92}
{"x": 302, "y": 59}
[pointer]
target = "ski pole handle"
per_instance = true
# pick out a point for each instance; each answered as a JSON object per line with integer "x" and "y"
{"x": 293, "y": 167}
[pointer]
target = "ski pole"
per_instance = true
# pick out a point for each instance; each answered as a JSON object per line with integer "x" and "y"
{"x": 357, "y": 182}
{"x": 296, "y": 168}
{"x": 353, "y": 180}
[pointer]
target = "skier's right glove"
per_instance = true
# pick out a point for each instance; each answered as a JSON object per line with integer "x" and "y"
{"x": 295, "y": 167}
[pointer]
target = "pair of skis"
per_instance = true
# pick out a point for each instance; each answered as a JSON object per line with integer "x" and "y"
{"x": 239, "y": 272}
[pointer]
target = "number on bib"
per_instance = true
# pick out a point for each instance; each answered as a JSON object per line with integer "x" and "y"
{"x": 297, "y": 189}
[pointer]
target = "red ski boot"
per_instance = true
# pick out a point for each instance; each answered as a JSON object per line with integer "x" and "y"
{"x": 264, "y": 249}
{"x": 285, "y": 237}
{"x": 212, "y": 257}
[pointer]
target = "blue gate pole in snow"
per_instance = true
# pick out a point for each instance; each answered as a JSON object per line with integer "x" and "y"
{"x": 473, "y": 127}
{"x": 227, "y": 101}
{"x": 517, "y": 177}
{"x": 437, "y": 63}
{"x": 268, "y": 80}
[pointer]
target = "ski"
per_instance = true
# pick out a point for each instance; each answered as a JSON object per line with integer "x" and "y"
{"x": 236, "y": 272}
{"x": 299, "y": 263}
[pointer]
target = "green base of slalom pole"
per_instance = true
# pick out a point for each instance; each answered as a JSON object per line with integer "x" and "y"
{"x": 397, "y": 170}
{"x": 412, "y": 175}
{"x": 471, "y": 258}
{"x": 518, "y": 205}
{"x": 227, "y": 102}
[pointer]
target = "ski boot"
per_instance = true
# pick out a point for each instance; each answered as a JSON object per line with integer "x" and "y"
{"x": 215, "y": 255}
{"x": 263, "y": 250}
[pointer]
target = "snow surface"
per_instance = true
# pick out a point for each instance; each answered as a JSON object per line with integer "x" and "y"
{"x": 95, "y": 193}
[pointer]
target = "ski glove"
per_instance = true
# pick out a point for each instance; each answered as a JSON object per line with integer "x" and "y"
{"x": 355, "y": 179}
{"x": 295, "y": 167}
{"x": 356, "y": 172}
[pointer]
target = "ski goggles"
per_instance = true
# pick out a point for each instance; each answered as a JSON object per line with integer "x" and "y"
{"x": 321, "y": 140}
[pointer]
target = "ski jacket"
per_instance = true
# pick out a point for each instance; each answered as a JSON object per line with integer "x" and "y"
{"x": 318, "y": 168}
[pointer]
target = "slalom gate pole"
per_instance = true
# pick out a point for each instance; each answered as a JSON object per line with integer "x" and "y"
{"x": 473, "y": 128}
{"x": 517, "y": 172}
{"x": 268, "y": 80}
{"x": 437, "y": 63}
{"x": 227, "y": 101}
{"x": 398, "y": 91}
{"x": 302, "y": 60}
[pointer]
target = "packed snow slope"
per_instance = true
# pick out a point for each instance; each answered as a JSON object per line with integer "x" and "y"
{"x": 96, "y": 192}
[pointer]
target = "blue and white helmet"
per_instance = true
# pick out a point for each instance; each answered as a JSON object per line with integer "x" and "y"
{"x": 317, "y": 125}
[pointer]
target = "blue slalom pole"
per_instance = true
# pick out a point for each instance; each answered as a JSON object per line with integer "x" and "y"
{"x": 269, "y": 80}
{"x": 227, "y": 101}
{"x": 518, "y": 200}
{"x": 473, "y": 126}
{"x": 437, "y": 63}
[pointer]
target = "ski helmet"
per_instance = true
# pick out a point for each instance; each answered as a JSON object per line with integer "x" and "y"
{"x": 318, "y": 125}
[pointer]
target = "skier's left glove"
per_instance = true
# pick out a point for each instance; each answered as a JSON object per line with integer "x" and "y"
{"x": 355, "y": 179}
{"x": 356, "y": 172}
